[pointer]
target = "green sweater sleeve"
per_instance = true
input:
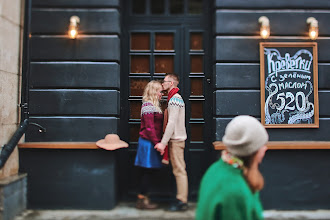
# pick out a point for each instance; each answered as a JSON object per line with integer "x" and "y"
{"x": 225, "y": 195}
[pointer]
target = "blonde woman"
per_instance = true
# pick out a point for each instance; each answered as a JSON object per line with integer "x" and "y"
{"x": 148, "y": 159}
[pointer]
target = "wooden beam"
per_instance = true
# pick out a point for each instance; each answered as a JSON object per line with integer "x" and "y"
{"x": 286, "y": 145}
{"x": 218, "y": 145}
{"x": 59, "y": 145}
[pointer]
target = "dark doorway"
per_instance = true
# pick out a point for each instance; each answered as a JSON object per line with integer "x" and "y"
{"x": 162, "y": 36}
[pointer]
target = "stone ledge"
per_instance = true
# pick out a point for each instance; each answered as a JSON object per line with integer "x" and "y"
{"x": 12, "y": 179}
{"x": 286, "y": 145}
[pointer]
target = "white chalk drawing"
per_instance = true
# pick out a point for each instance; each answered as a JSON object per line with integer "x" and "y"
{"x": 289, "y": 87}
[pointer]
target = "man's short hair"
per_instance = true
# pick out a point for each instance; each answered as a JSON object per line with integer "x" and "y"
{"x": 174, "y": 76}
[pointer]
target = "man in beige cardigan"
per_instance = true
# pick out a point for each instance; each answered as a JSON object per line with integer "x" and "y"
{"x": 175, "y": 136}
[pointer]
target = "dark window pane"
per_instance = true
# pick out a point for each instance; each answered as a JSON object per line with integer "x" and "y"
{"x": 196, "y": 41}
{"x": 164, "y": 41}
{"x": 134, "y": 130}
{"x": 163, "y": 104}
{"x": 137, "y": 86}
{"x": 196, "y": 86}
{"x": 196, "y": 132}
{"x": 135, "y": 109}
{"x": 176, "y": 7}
{"x": 157, "y": 7}
{"x": 195, "y": 6}
{"x": 164, "y": 64}
{"x": 196, "y": 64}
{"x": 140, "y": 41}
{"x": 196, "y": 109}
{"x": 139, "y": 64}
{"x": 139, "y": 6}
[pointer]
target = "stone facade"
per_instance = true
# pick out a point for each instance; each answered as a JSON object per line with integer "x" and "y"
{"x": 11, "y": 29}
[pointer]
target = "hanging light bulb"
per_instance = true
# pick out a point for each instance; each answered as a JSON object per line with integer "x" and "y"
{"x": 313, "y": 28}
{"x": 264, "y": 28}
{"x": 73, "y": 27}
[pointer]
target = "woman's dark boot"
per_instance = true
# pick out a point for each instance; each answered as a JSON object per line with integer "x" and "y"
{"x": 143, "y": 202}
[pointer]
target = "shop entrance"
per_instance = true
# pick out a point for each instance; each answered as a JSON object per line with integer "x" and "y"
{"x": 159, "y": 37}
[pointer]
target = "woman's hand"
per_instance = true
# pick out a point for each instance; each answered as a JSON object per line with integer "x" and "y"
{"x": 160, "y": 147}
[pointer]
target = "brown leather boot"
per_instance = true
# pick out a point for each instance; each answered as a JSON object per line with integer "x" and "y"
{"x": 143, "y": 202}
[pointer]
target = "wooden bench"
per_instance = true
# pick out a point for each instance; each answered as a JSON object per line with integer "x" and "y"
{"x": 286, "y": 145}
{"x": 59, "y": 145}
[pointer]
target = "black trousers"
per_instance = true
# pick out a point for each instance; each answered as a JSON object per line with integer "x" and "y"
{"x": 146, "y": 177}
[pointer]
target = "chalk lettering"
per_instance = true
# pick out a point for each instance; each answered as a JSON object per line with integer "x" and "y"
{"x": 277, "y": 63}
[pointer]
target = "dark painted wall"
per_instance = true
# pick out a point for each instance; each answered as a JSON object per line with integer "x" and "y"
{"x": 74, "y": 92}
{"x": 75, "y": 88}
{"x": 295, "y": 179}
{"x": 69, "y": 179}
{"x": 79, "y": 78}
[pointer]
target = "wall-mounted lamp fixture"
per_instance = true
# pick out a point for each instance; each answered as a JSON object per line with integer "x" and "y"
{"x": 73, "y": 27}
{"x": 264, "y": 28}
{"x": 313, "y": 28}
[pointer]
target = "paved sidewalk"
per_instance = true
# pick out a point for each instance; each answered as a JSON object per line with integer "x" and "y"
{"x": 126, "y": 211}
{"x": 123, "y": 211}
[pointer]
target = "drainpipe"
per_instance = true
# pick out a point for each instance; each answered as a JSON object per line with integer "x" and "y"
{"x": 26, "y": 62}
{"x": 7, "y": 149}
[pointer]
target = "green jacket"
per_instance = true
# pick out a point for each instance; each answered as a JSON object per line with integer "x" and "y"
{"x": 224, "y": 194}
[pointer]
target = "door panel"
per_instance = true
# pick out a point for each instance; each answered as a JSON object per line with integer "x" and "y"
{"x": 157, "y": 46}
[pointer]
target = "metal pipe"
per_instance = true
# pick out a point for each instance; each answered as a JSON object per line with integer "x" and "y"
{"x": 26, "y": 61}
{"x": 41, "y": 129}
{"x": 8, "y": 148}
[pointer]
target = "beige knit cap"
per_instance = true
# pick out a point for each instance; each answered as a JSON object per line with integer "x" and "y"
{"x": 244, "y": 135}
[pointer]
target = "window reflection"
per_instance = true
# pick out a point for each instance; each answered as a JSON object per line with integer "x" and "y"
{"x": 137, "y": 86}
{"x": 196, "y": 109}
{"x": 195, "y": 6}
{"x": 135, "y": 109}
{"x": 164, "y": 64}
{"x": 196, "y": 86}
{"x": 176, "y": 6}
{"x": 139, "y": 6}
{"x": 196, "y": 132}
{"x": 134, "y": 130}
{"x": 196, "y": 64}
{"x": 196, "y": 41}
{"x": 140, "y": 41}
{"x": 139, "y": 64}
{"x": 157, "y": 6}
{"x": 164, "y": 41}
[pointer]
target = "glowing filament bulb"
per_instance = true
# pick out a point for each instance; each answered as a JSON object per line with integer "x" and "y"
{"x": 264, "y": 32}
{"x": 313, "y": 33}
{"x": 73, "y": 34}
{"x": 313, "y": 28}
{"x": 264, "y": 29}
{"x": 73, "y": 27}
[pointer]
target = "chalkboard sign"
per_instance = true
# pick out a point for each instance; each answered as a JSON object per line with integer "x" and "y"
{"x": 289, "y": 85}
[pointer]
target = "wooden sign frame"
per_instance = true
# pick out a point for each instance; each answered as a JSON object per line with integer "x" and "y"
{"x": 275, "y": 120}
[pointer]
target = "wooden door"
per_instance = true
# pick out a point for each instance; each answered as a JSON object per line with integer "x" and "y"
{"x": 154, "y": 46}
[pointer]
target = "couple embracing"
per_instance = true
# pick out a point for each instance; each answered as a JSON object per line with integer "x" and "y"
{"x": 157, "y": 143}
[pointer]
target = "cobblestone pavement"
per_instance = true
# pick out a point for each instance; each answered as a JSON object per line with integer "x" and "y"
{"x": 126, "y": 211}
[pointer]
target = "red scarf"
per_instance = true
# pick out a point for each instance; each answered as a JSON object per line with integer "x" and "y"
{"x": 172, "y": 93}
